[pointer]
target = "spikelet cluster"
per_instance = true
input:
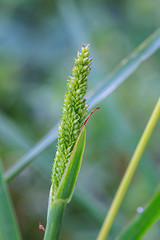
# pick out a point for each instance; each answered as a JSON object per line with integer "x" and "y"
{"x": 74, "y": 113}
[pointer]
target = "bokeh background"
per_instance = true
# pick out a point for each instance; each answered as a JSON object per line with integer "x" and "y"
{"x": 38, "y": 41}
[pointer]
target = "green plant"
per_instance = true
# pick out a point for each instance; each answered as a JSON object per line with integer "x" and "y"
{"x": 71, "y": 150}
{"x": 71, "y": 143}
{"x": 74, "y": 113}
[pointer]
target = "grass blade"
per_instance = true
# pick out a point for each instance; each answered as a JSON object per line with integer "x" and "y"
{"x": 28, "y": 157}
{"x": 143, "y": 221}
{"x": 129, "y": 173}
{"x": 104, "y": 88}
{"x": 8, "y": 224}
{"x": 125, "y": 68}
{"x": 64, "y": 193}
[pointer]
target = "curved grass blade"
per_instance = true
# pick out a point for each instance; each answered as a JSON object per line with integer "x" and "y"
{"x": 8, "y": 224}
{"x": 143, "y": 221}
{"x": 104, "y": 88}
{"x": 65, "y": 190}
{"x": 28, "y": 157}
{"x": 125, "y": 68}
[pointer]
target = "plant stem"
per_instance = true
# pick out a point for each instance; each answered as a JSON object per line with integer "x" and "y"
{"x": 129, "y": 173}
{"x": 54, "y": 220}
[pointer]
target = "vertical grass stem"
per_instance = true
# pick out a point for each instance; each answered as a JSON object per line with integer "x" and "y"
{"x": 129, "y": 173}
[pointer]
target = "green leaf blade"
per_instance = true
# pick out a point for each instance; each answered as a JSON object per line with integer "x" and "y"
{"x": 125, "y": 68}
{"x": 70, "y": 176}
{"x": 8, "y": 224}
{"x": 65, "y": 190}
{"x": 144, "y": 221}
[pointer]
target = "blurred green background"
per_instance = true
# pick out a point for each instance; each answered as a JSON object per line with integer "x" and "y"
{"x": 38, "y": 41}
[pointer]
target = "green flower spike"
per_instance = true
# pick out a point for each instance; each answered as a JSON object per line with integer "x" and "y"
{"x": 71, "y": 144}
{"x": 74, "y": 113}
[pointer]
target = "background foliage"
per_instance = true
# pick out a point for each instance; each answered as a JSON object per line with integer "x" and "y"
{"x": 38, "y": 43}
